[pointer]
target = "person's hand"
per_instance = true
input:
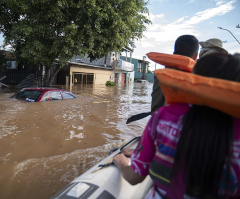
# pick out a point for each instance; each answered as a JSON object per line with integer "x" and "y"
{"x": 124, "y": 165}
{"x": 127, "y": 152}
{"x": 121, "y": 161}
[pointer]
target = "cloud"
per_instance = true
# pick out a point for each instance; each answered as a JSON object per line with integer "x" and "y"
{"x": 154, "y": 18}
{"x": 180, "y": 20}
{"x": 192, "y": 1}
{"x": 209, "y": 13}
{"x": 219, "y": 2}
{"x": 160, "y": 38}
{"x": 157, "y": 0}
{"x": 184, "y": 25}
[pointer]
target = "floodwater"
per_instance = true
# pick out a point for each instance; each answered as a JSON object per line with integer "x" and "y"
{"x": 45, "y": 145}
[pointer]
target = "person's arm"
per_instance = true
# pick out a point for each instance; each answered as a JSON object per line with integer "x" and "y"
{"x": 142, "y": 156}
{"x": 123, "y": 163}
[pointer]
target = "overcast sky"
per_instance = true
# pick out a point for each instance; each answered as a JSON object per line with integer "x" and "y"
{"x": 172, "y": 18}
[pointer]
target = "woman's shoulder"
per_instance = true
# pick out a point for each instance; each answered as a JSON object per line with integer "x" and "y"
{"x": 177, "y": 108}
{"x": 172, "y": 111}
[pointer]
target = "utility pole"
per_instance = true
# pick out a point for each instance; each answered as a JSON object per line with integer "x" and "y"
{"x": 144, "y": 67}
{"x": 230, "y": 32}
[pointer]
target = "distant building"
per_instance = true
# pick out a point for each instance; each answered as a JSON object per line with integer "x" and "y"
{"x": 80, "y": 70}
{"x": 139, "y": 68}
{"x": 123, "y": 71}
{"x": 110, "y": 67}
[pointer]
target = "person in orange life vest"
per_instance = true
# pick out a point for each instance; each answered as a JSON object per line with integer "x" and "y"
{"x": 197, "y": 135}
{"x": 186, "y": 45}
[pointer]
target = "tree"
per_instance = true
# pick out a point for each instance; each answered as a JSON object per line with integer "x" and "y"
{"x": 45, "y": 30}
{"x": 149, "y": 71}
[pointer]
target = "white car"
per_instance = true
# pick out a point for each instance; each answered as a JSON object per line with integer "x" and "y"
{"x": 141, "y": 81}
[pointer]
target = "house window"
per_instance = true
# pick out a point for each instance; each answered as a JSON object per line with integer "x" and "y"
{"x": 139, "y": 69}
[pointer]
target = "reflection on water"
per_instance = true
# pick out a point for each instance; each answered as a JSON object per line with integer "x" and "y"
{"x": 45, "y": 145}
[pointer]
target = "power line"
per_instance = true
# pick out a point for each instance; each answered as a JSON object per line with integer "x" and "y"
{"x": 229, "y": 41}
{"x": 234, "y": 47}
{"x": 230, "y": 32}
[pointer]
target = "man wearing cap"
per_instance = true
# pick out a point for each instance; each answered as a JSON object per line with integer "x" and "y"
{"x": 211, "y": 46}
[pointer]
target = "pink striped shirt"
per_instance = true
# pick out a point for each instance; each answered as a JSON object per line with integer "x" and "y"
{"x": 155, "y": 153}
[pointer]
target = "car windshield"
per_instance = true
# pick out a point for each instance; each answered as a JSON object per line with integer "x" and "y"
{"x": 27, "y": 95}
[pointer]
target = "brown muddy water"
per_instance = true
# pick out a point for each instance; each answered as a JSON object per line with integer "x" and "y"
{"x": 45, "y": 145}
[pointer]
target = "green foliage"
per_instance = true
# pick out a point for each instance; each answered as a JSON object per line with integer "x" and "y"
{"x": 149, "y": 71}
{"x": 109, "y": 83}
{"x": 43, "y": 30}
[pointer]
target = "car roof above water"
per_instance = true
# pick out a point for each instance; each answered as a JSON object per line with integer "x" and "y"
{"x": 45, "y": 89}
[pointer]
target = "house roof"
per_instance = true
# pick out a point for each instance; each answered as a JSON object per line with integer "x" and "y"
{"x": 89, "y": 65}
{"x": 9, "y": 55}
{"x": 127, "y": 49}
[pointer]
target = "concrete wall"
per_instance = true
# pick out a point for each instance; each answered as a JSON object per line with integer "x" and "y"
{"x": 149, "y": 77}
{"x": 100, "y": 75}
{"x": 138, "y": 75}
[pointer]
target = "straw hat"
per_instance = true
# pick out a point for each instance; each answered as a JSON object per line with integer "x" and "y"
{"x": 211, "y": 45}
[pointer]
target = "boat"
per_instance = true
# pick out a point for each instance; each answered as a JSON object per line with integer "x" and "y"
{"x": 104, "y": 181}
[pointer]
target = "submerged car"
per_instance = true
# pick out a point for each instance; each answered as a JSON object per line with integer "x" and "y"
{"x": 141, "y": 81}
{"x": 42, "y": 94}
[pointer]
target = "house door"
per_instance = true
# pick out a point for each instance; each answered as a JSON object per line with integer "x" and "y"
{"x": 123, "y": 77}
{"x": 83, "y": 78}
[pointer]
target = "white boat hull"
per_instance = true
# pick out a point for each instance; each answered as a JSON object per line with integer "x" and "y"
{"x": 105, "y": 183}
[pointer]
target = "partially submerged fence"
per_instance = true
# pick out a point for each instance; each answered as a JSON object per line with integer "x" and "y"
{"x": 30, "y": 81}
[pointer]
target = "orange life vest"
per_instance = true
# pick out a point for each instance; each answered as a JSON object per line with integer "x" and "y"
{"x": 177, "y": 61}
{"x": 182, "y": 87}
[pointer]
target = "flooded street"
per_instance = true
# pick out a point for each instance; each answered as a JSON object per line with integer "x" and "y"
{"x": 45, "y": 145}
